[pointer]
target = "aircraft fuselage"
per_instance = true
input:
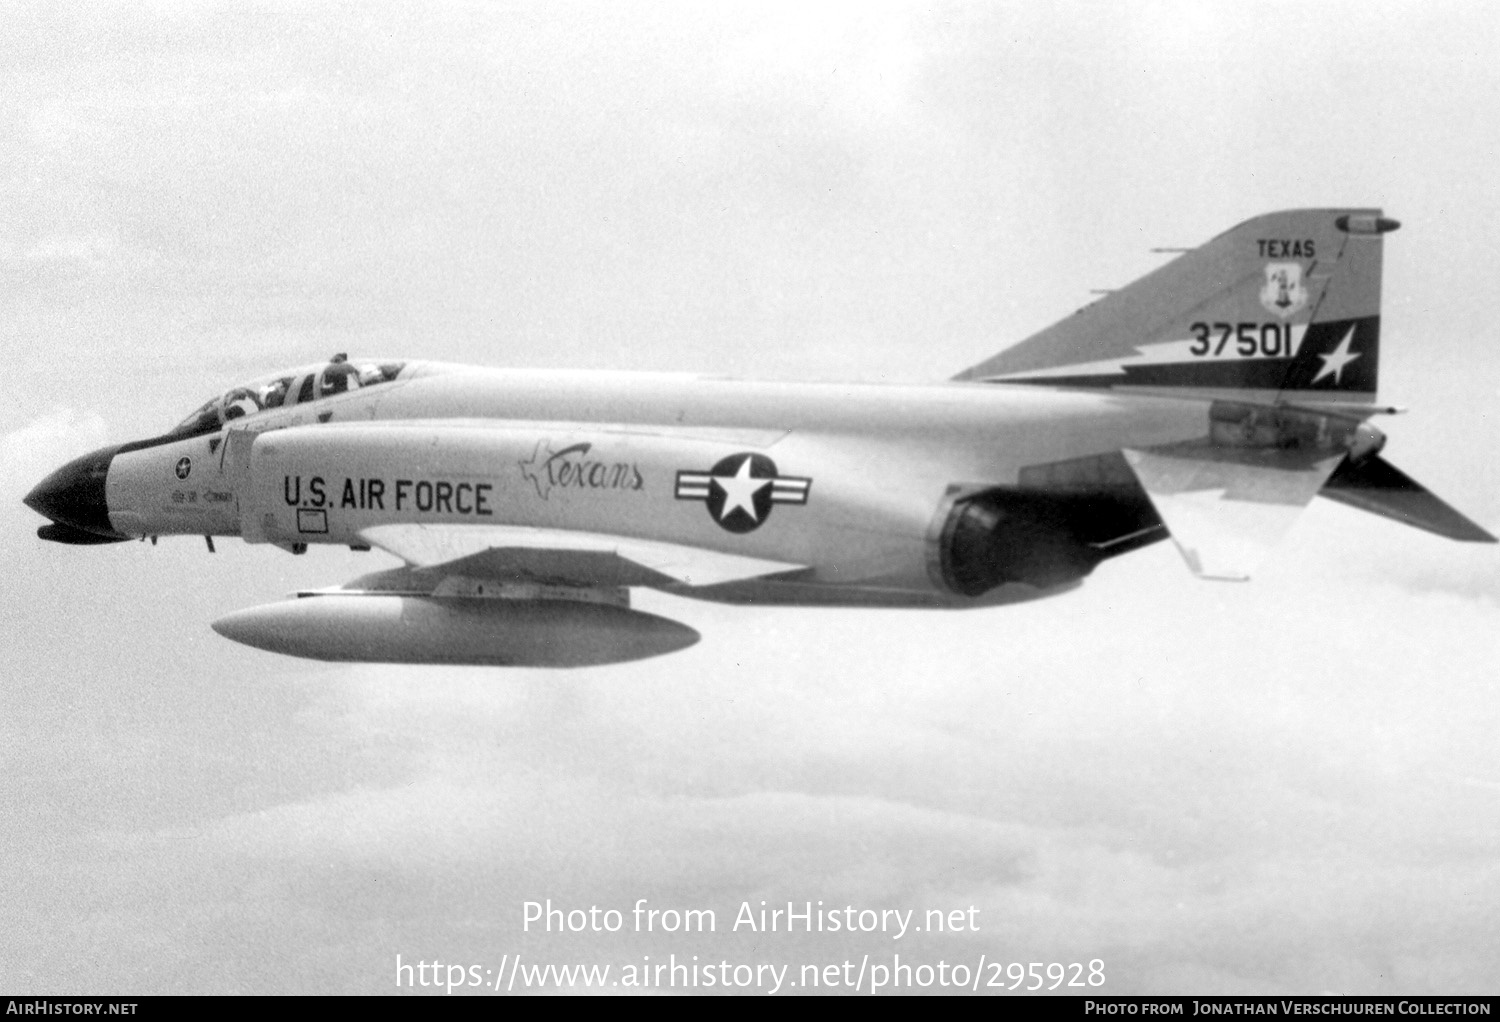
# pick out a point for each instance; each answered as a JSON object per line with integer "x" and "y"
{"x": 860, "y": 476}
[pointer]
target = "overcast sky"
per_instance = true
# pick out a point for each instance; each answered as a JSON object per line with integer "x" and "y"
{"x": 1290, "y": 785}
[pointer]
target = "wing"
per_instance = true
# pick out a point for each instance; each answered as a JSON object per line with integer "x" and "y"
{"x": 494, "y": 595}
{"x": 1225, "y": 508}
{"x": 505, "y": 553}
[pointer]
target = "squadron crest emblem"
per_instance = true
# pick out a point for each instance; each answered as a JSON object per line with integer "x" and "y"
{"x": 1284, "y": 294}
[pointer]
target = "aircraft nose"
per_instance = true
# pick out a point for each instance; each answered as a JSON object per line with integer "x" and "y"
{"x": 74, "y": 494}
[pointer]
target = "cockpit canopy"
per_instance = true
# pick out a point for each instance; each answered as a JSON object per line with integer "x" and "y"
{"x": 298, "y": 387}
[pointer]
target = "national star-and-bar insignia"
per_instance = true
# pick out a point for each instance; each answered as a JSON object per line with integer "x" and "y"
{"x": 740, "y": 490}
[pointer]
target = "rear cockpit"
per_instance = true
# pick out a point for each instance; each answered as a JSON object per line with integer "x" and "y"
{"x": 281, "y": 390}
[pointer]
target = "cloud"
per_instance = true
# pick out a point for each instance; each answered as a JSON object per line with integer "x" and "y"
{"x": 1284, "y": 807}
{"x": 29, "y": 452}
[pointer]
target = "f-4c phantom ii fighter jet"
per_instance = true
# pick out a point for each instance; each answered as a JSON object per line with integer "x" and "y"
{"x": 1208, "y": 402}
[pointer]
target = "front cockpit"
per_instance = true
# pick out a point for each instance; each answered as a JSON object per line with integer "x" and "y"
{"x": 298, "y": 387}
{"x": 175, "y": 483}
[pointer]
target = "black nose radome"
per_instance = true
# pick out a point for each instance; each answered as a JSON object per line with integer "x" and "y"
{"x": 74, "y": 495}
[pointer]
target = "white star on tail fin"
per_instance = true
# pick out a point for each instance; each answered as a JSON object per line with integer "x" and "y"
{"x": 1335, "y": 361}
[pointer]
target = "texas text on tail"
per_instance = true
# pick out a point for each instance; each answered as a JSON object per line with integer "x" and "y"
{"x": 1210, "y": 401}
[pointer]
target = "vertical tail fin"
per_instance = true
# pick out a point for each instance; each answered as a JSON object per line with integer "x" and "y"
{"x": 1284, "y": 305}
